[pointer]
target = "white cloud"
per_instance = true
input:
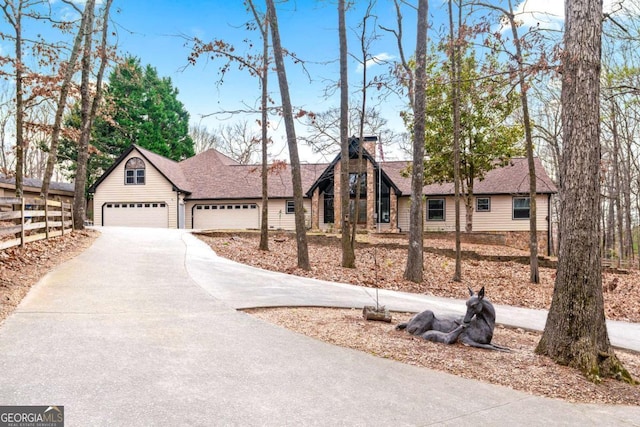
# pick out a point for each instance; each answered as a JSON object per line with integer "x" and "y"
{"x": 548, "y": 13}
{"x": 378, "y": 59}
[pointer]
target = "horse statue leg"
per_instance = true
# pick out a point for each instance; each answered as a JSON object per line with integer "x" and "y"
{"x": 466, "y": 340}
{"x": 445, "y": 337}
{"x": 418, "y": 324}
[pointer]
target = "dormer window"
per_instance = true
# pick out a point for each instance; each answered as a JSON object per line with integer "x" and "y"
{"x": 134, "y": 171}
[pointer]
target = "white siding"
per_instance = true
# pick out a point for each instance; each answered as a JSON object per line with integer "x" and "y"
{"x": 157, "y": 189}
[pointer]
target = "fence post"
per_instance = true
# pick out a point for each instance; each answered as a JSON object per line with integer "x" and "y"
{"x": 22, "y": 222}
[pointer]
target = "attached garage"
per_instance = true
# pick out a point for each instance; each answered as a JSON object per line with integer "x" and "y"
{"x": 140, "y": 214}
{"x": 226, "y": 216}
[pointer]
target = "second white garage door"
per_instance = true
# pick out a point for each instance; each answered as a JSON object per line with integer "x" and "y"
{"x": 226, "y": 216}
{"x": 141, "y": 214}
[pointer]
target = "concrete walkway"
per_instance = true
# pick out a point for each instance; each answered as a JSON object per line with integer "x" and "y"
{"x": 141, "y": 330}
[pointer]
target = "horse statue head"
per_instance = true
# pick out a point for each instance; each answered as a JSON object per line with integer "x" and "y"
{"x": 475, "y": 305}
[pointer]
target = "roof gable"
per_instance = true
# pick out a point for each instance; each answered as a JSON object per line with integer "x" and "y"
{"x": 168, "y": 168}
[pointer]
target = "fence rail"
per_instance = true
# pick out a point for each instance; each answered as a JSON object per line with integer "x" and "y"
{"x": 25, "y": 219}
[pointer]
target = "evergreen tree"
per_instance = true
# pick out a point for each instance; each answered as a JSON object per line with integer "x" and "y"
{"x": 139, "y": 108}
{"x": 143, "y": 109}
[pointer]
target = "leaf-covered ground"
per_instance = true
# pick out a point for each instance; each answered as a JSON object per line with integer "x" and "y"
{"x": 503, "y": 271}
{"x": 381, "y": 262}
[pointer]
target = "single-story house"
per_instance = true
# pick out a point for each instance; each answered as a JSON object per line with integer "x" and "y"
{"x": 62, "y": 191}
{"x": 212, "y": 191}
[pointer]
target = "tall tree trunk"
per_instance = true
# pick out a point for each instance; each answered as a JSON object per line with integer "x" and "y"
{"x": 89, "y": 107}
{"x": 287, "y": 112}
{"x": 60, "y": 108}
{"x": 348, "y": 252}
{"x": 454, "y": 59}
{"x": 415, "y": 256}
{"x": 13, "y": 12}
{"x": 264, "y": 220}
{"x": 576, "y": 333}
{"x": 534, "y": 276}
{"x": 79, "y": 201}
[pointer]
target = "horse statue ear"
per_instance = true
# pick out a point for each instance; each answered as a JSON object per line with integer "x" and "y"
{"x": 470, "y": 291}
{"x": 481, "y": 293}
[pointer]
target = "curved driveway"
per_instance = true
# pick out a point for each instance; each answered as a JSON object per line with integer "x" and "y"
{"x": 141, "y": 330}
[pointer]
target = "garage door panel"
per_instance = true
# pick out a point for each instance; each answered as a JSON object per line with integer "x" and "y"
{"x": 137, "y": 214}
{"x": 226, "y": 216}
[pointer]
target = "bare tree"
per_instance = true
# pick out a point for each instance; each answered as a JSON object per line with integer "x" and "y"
{"x": 203, "y": 139}
{"x": 263, "y": 25}
{"x": 576, "y": 333}
{"x": 348, "y": 252}
{"x": 68, "y": 70}
{"x": 89, "y": 105}
{"x": 454, "y": 60}
{"x": 239, "y": 141}
{"x": 415, "y": 257}
{"x": 292, "y": 143}
{"x": 14, "y": 12}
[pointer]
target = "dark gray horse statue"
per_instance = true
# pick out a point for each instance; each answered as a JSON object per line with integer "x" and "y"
{"x": 475, "y": 329}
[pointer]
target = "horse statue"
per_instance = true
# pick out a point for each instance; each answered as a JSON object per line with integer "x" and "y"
{"x": 475, "y": 329}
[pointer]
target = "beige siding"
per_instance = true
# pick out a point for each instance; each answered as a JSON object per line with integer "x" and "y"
{"x": 404, "y": 203}
{"x": 500, "y": 218}
{"x": 156, "y": 189}
{"x": 223, "y": 215}
{"x": 278, "y": 217}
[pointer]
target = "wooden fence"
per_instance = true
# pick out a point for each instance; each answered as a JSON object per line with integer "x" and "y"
{"x": 24, "y": 220}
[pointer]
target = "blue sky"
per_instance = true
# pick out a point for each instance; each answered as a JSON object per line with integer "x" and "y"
{"x": 155, "y": 31}
{"x": 152, "y": 30}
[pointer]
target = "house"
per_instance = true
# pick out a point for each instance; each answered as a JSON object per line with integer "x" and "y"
{"x": 212, "y": 191}
{"x": 62, "y": 191}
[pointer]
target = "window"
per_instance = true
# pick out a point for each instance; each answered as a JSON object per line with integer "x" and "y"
{"x": 291, "y": 208}
{"x": 521, "y": 208}
{"x": 328, "y": 209}
{"x": 134, "y": 171}
{"x": 483, "y": 204}
{"x": 353, "y": 184}
{"x": 435, "y": 209}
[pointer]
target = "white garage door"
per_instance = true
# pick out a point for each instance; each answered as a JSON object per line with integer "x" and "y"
{"x": 226, "y": 216}
{"x": 140, "y": 214}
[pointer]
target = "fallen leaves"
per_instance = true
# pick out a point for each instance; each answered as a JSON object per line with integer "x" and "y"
{"x": 520, "y": 370}
{"x": 381, "y": 262}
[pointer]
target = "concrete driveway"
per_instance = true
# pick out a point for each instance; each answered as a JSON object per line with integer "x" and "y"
{"x": 135, "y": 332}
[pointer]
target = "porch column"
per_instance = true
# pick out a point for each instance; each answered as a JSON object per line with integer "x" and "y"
{"x": 315, "y": 209}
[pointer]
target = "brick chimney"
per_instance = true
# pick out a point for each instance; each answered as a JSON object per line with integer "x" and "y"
{"x": 369, "y": 144}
